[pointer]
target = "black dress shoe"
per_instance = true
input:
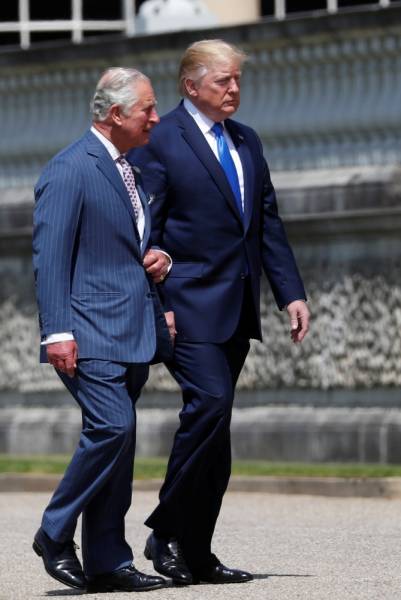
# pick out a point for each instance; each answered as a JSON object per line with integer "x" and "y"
{"x": 168, "y": 559}
{"x": 221, "y": 574}
{"x": 60, "y": 560}
{"x": 127, "y": 579}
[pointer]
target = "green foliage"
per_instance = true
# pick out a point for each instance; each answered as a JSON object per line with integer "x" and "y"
{"x": 155, "y": 468}
{"x": 145, "y": 468}
{"x": 282, "y": 469}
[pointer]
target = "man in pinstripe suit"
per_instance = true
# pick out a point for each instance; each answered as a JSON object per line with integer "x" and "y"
{"x": 101, "y": 324}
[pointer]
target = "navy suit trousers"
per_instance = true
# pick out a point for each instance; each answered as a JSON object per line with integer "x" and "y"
{"x": 98, "y": 481}
{"x": 200, "y": 463}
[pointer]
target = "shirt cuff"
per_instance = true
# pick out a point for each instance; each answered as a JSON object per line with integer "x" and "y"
{"x": 66, "y": 336}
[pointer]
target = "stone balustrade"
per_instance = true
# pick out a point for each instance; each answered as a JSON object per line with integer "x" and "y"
{"x": 322, "y": 93}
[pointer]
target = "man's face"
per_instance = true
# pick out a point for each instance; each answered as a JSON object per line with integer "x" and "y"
{"x": 134, "y": 127}
{"x": 217, "y": 94}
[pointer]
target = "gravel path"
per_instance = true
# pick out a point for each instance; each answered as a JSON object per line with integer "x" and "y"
{"x": 297, "y": 547}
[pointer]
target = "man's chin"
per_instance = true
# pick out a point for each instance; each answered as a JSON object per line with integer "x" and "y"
{"x": 230, "y": 109}
{"x": 145, "y": 138}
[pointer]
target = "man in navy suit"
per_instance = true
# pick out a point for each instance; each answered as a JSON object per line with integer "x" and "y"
{"x": 214, "y": 211}
{"x": 100, "y": 321}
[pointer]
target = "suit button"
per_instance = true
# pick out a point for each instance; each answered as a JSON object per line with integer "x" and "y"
{"x": 243, "y": 275}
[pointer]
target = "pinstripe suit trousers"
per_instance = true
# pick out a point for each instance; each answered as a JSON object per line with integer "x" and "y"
{"x": 98, "y": 481}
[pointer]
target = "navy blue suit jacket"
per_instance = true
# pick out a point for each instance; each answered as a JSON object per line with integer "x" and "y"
{"x": 88, "y": 260}
{"x": 195, "y": 219}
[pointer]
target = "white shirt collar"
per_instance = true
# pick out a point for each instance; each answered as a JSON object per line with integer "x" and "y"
{"x": 204, "y": 123}
{"x": 110, "y": 147}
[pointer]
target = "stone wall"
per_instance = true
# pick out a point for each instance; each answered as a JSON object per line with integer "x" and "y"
{"x": 351, "y": 262}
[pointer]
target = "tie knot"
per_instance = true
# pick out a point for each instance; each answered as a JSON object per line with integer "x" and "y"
{"x": 217, "y": 129}
{"x": 122, "y": 160}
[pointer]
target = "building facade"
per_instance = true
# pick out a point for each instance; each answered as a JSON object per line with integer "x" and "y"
{"x": 324, "y": 94}
{"x": 29, "y": 22}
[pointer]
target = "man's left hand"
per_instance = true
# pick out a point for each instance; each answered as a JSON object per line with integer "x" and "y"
{"x": 156, "y": 264}
{"x": 299, "y": 318}
{"x": 170, "y": 320}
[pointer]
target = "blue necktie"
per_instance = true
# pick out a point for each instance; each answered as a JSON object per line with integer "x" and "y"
{"x": 228, "y": 165}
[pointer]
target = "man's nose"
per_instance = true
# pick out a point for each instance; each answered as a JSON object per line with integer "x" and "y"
{"x": 234, "y": 86}
{"x": 154, "y": 117}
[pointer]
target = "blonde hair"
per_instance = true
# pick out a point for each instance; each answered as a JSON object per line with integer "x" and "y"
{"x": 200, "y": 56}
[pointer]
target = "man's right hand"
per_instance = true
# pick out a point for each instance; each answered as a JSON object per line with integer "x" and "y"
{"x": 63, "y": 356}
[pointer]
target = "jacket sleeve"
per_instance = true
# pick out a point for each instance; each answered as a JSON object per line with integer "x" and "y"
{"x": 58, "y": 205}
{"x": 277, "y": 257}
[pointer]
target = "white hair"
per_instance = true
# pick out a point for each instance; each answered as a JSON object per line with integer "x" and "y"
{"x": 117, "y": 85}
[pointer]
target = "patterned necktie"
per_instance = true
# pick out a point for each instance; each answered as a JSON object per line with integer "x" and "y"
{"x": 228, "y": 165}
{"x": 129, "y": 181}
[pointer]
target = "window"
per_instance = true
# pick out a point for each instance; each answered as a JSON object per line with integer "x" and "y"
{"x": 8, "y": 11}
{"x": 48, "y": 10}
{"x": 294, "y": 6}
{"x": 283, "y": 7}
{"x": 101, "y": 10}
{"x": 343, "y": 3}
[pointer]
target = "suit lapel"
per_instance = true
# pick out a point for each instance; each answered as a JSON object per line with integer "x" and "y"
{"x": 248, "y": 169}
{"x": 195, "y": 138}
{"x": 107, "y": 167}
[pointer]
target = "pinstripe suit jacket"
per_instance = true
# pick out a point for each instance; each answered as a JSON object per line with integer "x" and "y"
{"x": 88, "y": 259}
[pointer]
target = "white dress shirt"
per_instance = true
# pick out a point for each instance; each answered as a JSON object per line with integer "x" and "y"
{"x": 205, "y": 125}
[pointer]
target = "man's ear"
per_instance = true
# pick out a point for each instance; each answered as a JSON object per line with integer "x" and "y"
{"x": 115, "y": 114}
{"x": 190, "y": 87}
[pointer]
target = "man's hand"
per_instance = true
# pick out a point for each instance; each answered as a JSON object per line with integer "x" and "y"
{"x": 63, "y": 356}
{"x": 170, "y": 320}
{"x": 156, "y": 264}
{"x": 299, "y": 318}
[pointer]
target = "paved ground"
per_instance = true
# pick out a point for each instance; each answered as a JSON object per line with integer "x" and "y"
{"x": 298, "y": 547}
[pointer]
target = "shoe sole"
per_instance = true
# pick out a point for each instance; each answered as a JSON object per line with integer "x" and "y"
{"x": 38, "y": 550}
{"x": 203, "y": 581}
{"x": 112, "y": 588}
